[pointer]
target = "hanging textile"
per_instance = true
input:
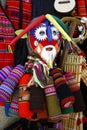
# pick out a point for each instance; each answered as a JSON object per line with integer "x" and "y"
{"x": 6, "y": 36}
{"x": 20, "y": 12}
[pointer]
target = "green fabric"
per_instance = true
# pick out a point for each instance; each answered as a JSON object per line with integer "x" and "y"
{"x": 61, "y": 23}
{"x": 67, "y": 110}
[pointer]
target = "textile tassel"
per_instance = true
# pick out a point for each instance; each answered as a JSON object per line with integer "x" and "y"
{"x": 24, "y": 97}
{"x": 64, "y": 93}
{"x": 54, "y": 110}
{"x": 9, "y": 84}
{"x": 38, "y": 69}
{"x": 75, "y": 88}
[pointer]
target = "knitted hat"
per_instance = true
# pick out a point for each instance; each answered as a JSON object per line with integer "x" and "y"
{"x": 24, "y": 97}
{"x": 75, "y": 88}
{"x": 64, "y": 93}
{"x": 7, "y": 87}
{"x": 37, "y": 21}
{"x": 54, "y": 110}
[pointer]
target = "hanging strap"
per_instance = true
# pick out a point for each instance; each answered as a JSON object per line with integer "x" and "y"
{"x": 20, "y": 14}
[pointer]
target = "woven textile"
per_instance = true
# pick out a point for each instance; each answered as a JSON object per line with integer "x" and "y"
{"x": 19, "y": 12}
{"x": 6, "y": 36}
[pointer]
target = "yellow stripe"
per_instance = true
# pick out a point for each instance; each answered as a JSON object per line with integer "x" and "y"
{"x": 53, "y": 21}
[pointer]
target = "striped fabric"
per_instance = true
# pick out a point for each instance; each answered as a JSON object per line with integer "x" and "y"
{"x": 63, "y": 91}
{"x": 19, "y": 12}
{"x": 81, "y": 7}
{"x": 9, "y": 84}
{"x": 4, "y": 72}
{"x": 6, "y": 36}
{"x": 13, "y": 108}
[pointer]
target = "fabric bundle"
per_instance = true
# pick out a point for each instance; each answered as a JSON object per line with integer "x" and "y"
{"x": 8, "y": 85}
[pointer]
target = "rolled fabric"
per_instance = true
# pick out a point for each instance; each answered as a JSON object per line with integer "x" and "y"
{"x": 54, "y": 110}
{"x": 64, "y": 93}
{"x": 75, "y": 88}
{"x": 4, "y": 72}
{"x": 24, "y": 97}
{"x": 9, "y": 84}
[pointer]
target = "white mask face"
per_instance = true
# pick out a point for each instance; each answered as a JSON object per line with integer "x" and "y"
{"x": 48, "y": 53}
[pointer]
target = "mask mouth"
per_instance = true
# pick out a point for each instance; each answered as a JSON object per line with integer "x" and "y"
{"x": 48, "y": 54}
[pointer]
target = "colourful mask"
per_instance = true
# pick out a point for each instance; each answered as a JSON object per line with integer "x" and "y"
{"x": 45, "y": 41}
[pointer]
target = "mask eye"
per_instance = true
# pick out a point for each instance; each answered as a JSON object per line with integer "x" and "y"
{"x": 40, "y": 33}
{"x": 55, "y": 33}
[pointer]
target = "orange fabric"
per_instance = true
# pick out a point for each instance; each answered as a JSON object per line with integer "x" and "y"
{"x": 24, "y": 110}
{"x": 25, "y": 79}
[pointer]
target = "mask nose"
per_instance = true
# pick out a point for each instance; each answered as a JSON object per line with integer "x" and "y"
{"x": 49, "y": 33}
